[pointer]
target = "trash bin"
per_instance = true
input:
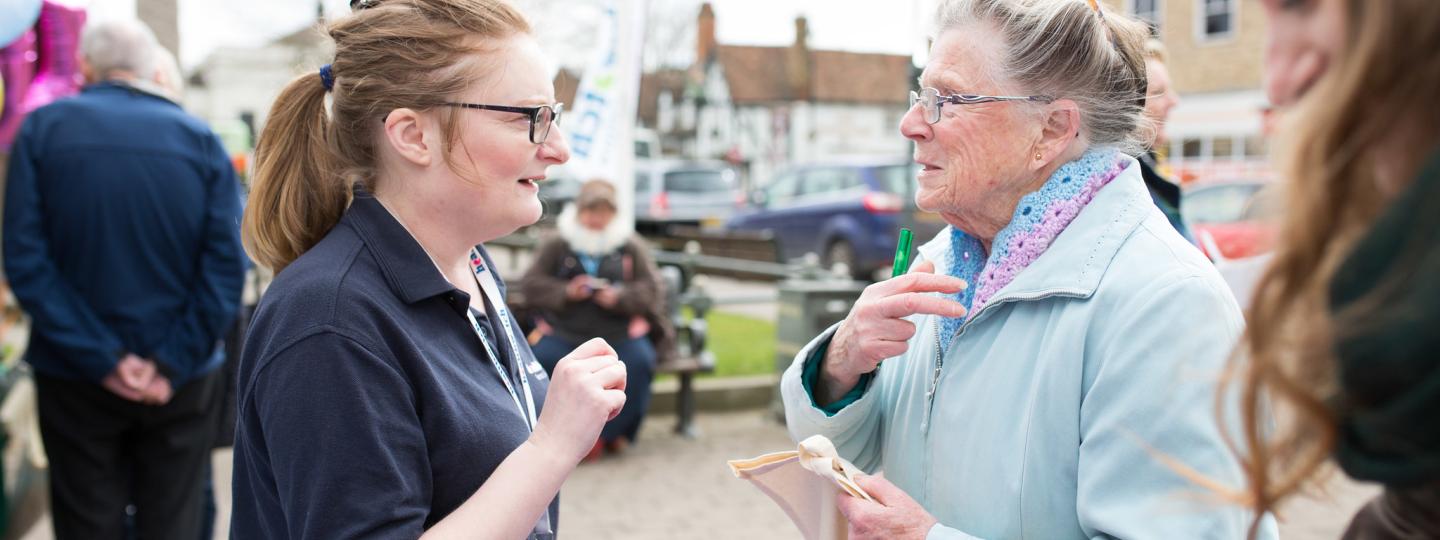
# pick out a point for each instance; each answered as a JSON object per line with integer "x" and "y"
{"x": 809, "y": 303}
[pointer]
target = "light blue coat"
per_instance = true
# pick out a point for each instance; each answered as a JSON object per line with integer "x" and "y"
{"x": 1054, "y": 397}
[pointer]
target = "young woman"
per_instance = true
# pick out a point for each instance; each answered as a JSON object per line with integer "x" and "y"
{"x": 1342, "y": 336}
{"x": 385, "y": 391}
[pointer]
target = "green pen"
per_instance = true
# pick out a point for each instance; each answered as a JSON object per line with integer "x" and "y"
{"x": 902, "y": 253}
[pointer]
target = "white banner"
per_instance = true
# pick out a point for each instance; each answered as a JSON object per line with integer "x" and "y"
{"x": 601, "y": 125}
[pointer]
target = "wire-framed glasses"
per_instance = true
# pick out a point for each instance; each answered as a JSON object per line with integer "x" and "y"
{"x": 541, "y": 117}
{"x": 931, "y": 100}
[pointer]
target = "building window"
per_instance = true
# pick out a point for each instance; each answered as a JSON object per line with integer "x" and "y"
{"x": 1192, "y": 149}
{"x": 1148, "y": 11}
{"x": 1217, "y": 18}
{"x": 1222, "y": 148}
{"x": 1255, "y": 146}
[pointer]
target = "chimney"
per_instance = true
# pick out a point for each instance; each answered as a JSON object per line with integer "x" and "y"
{"x": 802, "y": 32}
{"x": 797, "y": 62}
{"x": 705, "y": 36}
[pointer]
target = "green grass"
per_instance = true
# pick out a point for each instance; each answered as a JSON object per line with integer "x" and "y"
{"x": 742, "y": 345}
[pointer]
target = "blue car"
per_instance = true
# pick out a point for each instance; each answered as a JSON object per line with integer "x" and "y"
{"x": 847, "y": 212}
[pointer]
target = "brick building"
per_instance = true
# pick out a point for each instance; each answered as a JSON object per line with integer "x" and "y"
{"x": 1216, "y": 50}
{"x": 767, "y": 107}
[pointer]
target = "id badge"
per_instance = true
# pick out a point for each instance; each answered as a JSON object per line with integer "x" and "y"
{"x": 542, "y": 529}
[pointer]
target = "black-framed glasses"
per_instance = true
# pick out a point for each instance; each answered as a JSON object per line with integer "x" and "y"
{"x": 541, "y": 117}
{"x": 931, "y": 100}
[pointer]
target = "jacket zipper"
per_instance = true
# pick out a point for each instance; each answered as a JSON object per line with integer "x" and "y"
{"x": 940, "y": 354}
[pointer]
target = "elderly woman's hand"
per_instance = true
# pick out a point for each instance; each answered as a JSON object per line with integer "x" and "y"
{"x": 876, "y": 328}
{"x": 893, "y": 515}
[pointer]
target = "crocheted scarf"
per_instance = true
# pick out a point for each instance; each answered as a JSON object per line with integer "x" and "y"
{"x": 1039, "y": 218}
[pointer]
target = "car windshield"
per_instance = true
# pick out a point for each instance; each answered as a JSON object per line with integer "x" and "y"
{"x": 697, "y": 181}
{"x": 1218, "y": 204}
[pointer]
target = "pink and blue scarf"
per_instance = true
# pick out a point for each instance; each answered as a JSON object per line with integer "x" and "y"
{"x": 1039, "y": 218}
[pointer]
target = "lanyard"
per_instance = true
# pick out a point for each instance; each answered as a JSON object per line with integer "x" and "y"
{"x": 492, "y": 292}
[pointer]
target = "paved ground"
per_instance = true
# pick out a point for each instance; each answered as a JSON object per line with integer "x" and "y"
{"x": 667, "y": 488}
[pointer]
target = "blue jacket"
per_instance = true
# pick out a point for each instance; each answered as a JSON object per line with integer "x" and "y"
{"x": 122, "y": 235}
{"x": 1057, "y": 400}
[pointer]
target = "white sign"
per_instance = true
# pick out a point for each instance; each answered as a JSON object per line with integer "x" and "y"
{"x": 600, "y": 126}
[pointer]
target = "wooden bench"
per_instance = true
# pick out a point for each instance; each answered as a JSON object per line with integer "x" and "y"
{"x": 691, "y": 356}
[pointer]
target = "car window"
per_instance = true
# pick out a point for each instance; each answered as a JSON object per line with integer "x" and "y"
{"x": 698, "y": 181}
{"x": 642, "y": 182}
{"x": 1217, "y": 204}
{"x": 1264, "y": 205}
{"x": 895, "y": 179}
{"x": 829, "y": 180}
{"x": 782, "y": 189}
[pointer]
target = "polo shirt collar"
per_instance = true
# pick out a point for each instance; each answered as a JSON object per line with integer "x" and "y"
{"x": 406, "y": 267}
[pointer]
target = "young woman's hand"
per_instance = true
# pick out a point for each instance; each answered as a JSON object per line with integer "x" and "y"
{"x": 586, "y": 390}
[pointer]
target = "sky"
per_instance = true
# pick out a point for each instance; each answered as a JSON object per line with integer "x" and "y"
{"x": 565, "y": 27}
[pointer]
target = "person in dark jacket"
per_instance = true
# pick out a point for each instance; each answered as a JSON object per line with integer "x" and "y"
{"x": 1342, "y": 338}
{"x": 596, "y": 279}
{"x": 122, "y": 242}
{"x": 1160, "y": 99}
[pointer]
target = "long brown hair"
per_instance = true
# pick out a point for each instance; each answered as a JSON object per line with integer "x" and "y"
{"x": 1333, "y": 145}
{"x": 397, "y": 54}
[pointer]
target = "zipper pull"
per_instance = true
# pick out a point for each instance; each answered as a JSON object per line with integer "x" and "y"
{"x": 935, "y": 378}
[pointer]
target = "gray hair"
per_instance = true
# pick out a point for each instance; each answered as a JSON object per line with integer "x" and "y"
{"x": 120, "y": 45}
{"x": 1155, "y": 50}
{"x": 1065, "y": 49}
{"x": 167, "y": 73}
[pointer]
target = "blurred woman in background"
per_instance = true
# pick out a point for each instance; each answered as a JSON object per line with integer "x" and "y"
{"x": 1342, "y": 335}
{"x": 596, "y": 279}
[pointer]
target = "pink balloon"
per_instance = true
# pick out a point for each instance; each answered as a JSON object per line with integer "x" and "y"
{"x": 43, "y": 65}
{"x": 17, "y": 67}
{"x": 58, "y": 74}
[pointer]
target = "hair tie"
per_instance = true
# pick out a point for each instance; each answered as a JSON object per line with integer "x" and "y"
{"x": 1095, "y": 5}
{"x": 327, "y": 78}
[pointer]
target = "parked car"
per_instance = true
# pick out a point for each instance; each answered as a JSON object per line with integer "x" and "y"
{"x": 848, "y": 212}
{"x": 675, "y": 192}
{"x": 1231, "y": 219}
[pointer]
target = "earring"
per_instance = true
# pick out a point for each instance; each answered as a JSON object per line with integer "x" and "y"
{"x": 1037, "y": 156}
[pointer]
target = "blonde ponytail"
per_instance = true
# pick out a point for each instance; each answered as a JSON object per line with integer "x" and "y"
{"x": 296, "y": 195}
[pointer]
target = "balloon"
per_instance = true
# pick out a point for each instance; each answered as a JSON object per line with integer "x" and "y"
{"x": 16, "y": 16}
{"x": 58, "y": 74}
{"x": 17, "y": 68}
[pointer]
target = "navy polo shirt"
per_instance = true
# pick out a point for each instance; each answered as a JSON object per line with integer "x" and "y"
{"x": 368, "y": 408}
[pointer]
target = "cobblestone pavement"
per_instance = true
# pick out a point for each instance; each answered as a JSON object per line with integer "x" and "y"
{"x": 670, "y": 487}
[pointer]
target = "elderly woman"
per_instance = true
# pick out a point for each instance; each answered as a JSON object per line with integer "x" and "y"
{"x": 1044, "y": 391}
{"x": 596, "y": 279}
